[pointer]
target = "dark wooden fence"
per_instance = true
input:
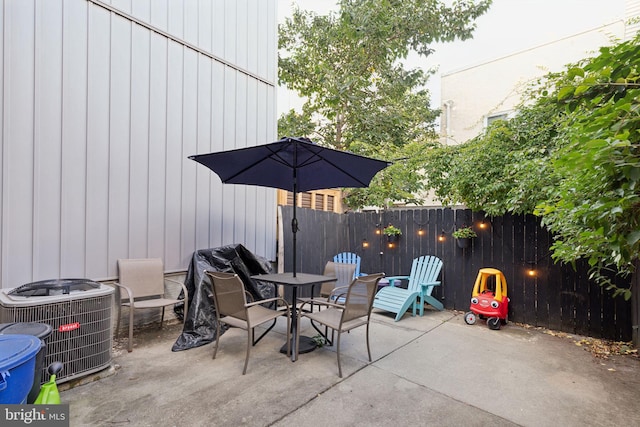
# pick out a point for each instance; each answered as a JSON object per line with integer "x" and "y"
{"x": 556, "y": 297}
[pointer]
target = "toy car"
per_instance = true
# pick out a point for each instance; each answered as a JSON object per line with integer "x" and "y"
{"x": 492, "y": 304}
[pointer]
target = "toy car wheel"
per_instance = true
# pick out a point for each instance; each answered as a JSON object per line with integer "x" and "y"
{"x": 470, "y": 318}
{"x": 505, "y": 320}
{"x": 493, "y": 323}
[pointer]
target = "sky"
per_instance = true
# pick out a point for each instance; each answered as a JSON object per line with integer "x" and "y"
{"x": 534, "y": 22}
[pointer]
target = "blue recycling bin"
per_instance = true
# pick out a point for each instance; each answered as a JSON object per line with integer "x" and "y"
{"x": 40, "y": 330}
{"x": 17, "y": 367}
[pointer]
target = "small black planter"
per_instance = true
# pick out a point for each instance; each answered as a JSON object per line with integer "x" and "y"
{"x": 393, "y": 238}
{"x": 463, "y": 243}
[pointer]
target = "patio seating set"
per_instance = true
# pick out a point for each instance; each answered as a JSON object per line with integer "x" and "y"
{"x": 345, "y": 301}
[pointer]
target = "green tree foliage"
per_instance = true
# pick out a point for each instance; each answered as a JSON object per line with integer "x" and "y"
{"x": 571, "y": 156}
{"x": 359, "y": 97}
{"x": 504, "y": 169}
{"x": 594, "y": 210}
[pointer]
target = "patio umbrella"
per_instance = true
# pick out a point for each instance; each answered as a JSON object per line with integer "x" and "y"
{"x": 293, "y": 164}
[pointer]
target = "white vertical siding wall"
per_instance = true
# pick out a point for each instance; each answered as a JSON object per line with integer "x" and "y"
{"x": 102, "y": 102}
{"x": 632, "y": 17}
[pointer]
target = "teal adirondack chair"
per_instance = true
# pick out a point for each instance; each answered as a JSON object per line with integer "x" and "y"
{"x": 349, "y": 258}
{"x": 422, "y": 280}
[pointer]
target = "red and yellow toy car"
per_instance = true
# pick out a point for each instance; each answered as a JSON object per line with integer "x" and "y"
{"x": 492, "y": 304}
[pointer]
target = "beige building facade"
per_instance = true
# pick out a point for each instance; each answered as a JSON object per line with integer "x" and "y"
{"x": 475, "y": 95}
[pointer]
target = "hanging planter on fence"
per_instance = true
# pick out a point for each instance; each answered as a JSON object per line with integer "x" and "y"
{"x": 463, "y": 236}
{"x": 393, "y": 233}
{"x": 464, "y": 242}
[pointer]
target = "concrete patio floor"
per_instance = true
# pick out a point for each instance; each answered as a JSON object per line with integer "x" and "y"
{"x": 430, "y": 370}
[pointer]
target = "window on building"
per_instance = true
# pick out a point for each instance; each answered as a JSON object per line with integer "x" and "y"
{"x": 330, "y": 202}
{"x": 319, "y": 205}
{"x": 305, "y": 200}
{"x": 504, "y": 115}
{"x": 289, "y": 198}
{"x": 493, "y": 118}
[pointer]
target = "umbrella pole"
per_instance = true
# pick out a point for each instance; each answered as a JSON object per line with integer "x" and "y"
{"x": 294, "y": 229}
{"x": 294, "y": 220}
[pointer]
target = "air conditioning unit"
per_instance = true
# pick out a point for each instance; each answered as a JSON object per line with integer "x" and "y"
{"x": 79, "y": 312}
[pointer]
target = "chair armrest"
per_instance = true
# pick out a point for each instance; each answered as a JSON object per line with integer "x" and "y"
{"x": 394, "y": 278}
{"x": 335, "y": 295}
{"x": 184, "y": 288}
{"x": 248, "y": 296}
{"x": 430, "y": 284}
{"x": 320, "y": 302}
{"x": 426, "y": 288}
{"x": 262, "y": 301}
{"x": 127, "y": 289}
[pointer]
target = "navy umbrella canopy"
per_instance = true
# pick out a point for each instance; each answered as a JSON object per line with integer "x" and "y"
{"x": 293, "y": 164}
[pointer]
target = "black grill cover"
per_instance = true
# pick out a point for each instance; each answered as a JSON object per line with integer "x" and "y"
{"x": 200, "y": 322}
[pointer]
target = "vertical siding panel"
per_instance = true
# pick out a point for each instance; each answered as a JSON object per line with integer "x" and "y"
{"x": 231, "y": 37}
{"x": 173, "y": 165}
{"x": 253, "y": 215}
{"x": 98, "y": 75}
{"x": 205, "y": 27}
{"x": 189, "y": 136}
{"x": 47, "y": 140}
{"x": 3, "y": 166}
{"x": 272, "y": 43}
{"x": 240, "y": 199}
{"x": 217, "y": 136}
{"x": 264, "y": 48}
{"x": 253, "y": 36}
{"x": 270, "y": 221}
{"x": 159, "y": 14}
{"x": 17, "y": 191}
{"x": 218, "y": 32}
{"x": 119, "y": 128}
{"x": 176, "y": 19}
{"x": 139, "y": 143}
{"x": 242, "y": 31}
{"x": 203, "y": 174}
{"x": 229, "y": 126}
{"x": 123, "y": 5}
{"x": 157, "y": 145}
{"x": 265, "y": 197}
{"x": 141, "y": 9}
{"x": 74, "y": 134}
{"x": 191, "y": 22}
{"x": 158, "y": 132}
